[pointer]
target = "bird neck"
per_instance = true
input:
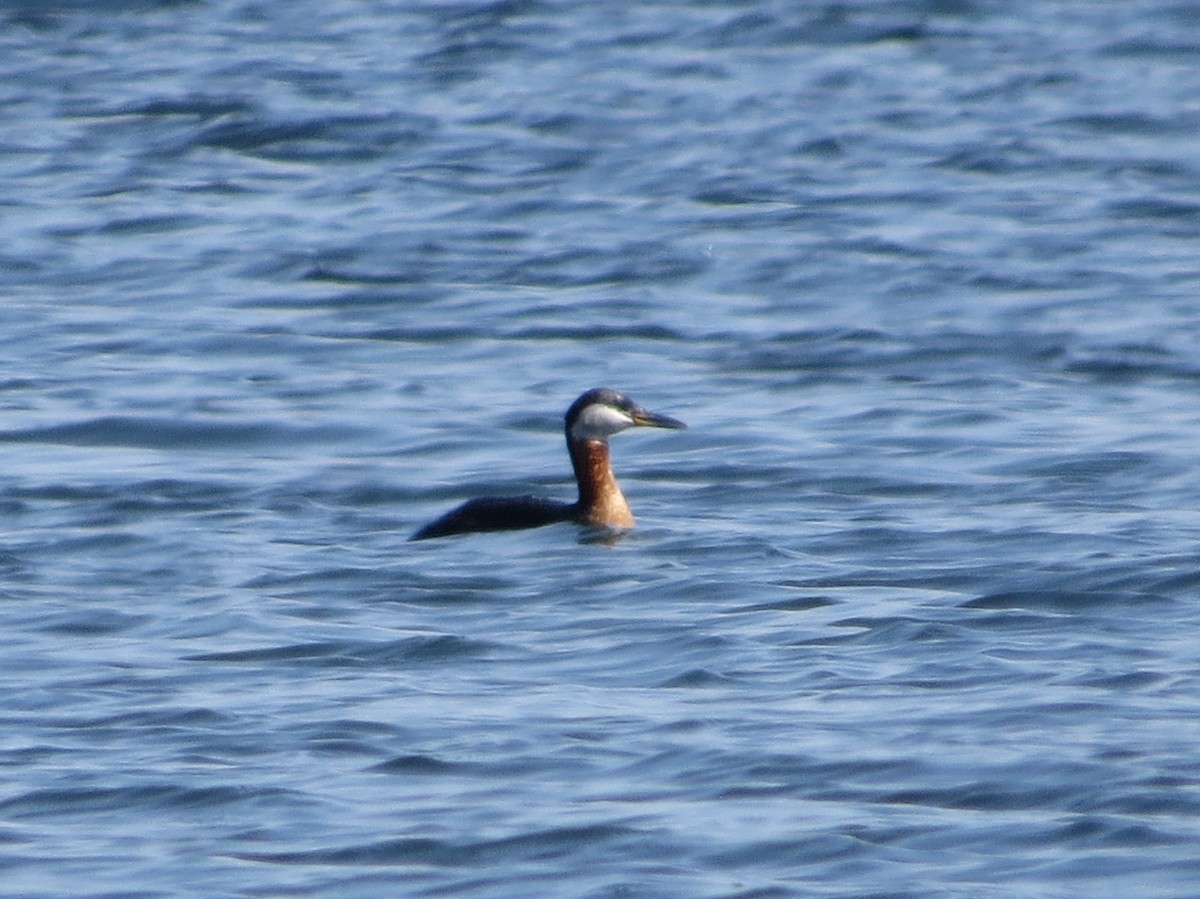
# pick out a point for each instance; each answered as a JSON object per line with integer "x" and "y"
{"x": 601, "y": 501}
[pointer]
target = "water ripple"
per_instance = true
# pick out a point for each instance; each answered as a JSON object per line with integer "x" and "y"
{"x": 911, "y": 606}
{"x": 168, "y": 434}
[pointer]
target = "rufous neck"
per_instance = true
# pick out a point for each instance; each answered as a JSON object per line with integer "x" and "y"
{"x": 601, "y": 501}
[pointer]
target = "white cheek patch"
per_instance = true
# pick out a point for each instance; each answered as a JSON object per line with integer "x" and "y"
{"x": 598, "y": 422}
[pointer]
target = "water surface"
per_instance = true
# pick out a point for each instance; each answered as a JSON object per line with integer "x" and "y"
{"x": 910, "y": 608}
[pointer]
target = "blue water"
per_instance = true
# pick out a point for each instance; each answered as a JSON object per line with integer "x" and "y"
{"x": 912, "y": 607}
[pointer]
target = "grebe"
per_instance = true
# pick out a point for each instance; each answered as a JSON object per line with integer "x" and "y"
{"x": 592, "y": 419}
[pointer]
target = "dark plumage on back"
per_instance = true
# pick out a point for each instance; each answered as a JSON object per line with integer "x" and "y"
{"x": 497, "y": 513}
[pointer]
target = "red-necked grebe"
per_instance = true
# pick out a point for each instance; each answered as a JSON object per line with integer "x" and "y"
{"x": 591, "y": 420}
